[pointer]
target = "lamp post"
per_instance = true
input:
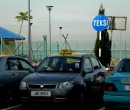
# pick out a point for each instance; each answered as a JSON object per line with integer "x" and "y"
{"x": 49, "y": 9}
{"x": 29, "y": 32}
{"x": 60, "y": 37}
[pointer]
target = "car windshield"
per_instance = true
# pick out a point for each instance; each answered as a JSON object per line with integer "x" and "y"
{"x": 60, "y": 64}
{"x": 124, "y": 66}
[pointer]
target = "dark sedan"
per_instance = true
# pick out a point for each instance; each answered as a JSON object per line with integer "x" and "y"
{"x": 64, "y": 77}
{"x": 12, "y": 70}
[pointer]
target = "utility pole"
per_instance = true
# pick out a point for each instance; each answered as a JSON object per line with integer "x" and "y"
{"x": 29, "y": 31}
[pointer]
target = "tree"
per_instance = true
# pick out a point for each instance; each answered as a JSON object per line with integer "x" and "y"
{"x": 104, "y": 44}
{"x": 23, "y": 16}
{"x": 96, "y": 47}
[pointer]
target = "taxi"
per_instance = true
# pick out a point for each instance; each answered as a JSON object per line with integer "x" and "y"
{"x": 67, "y": 77}
{"x": 117, "y": 86}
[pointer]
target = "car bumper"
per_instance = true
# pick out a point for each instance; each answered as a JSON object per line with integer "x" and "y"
{"x": 116, "y": 101}
{"x": 56, "y": 96}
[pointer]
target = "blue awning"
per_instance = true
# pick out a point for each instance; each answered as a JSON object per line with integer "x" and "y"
{"x": 6, "y": 34}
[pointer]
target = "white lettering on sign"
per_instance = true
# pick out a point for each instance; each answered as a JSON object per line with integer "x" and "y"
{"x": 101, "y": 22}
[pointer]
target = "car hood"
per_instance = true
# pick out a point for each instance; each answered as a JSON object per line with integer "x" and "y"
{"x": 51, "y": 77}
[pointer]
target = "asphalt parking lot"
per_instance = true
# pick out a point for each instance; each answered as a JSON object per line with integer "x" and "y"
{"x": 18, "y": 107}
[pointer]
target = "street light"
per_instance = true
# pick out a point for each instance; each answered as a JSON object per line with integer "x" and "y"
{"x": 49, "y": 9}
{"x": 60, "y": 37}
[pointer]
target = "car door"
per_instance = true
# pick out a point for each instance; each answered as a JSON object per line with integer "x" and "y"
{"x": 98, "y": 68}
{"x": 88, "y": 69}
{"x": 17, "y": 69}
{"x": 91, "y": 74}
{"x": 99, "y": 77}
{"x": 24, "y": 67}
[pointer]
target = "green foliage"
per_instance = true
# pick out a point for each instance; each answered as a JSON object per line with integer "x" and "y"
{"x": 105, "y": 49}
{"x": 96, "y": 47}
{"x": 105, "y": 45}
{"x": 23, "y": 16}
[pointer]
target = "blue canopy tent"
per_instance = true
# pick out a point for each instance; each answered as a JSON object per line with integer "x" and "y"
{"x": 7, "y": 41}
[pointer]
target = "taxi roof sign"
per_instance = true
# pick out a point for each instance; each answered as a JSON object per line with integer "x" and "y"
{"x": 65, "y": 52}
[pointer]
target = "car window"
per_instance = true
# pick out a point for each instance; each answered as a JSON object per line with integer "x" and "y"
{"x": 15, "y": 64}
{"x": 12, "y": 64}
{"x": 95, "y": 63}
{"x": 24, "y": 65}
{"x": 87, "y": 65}
{"x": 124, "y": 66}
{"x": 60, "y": 64}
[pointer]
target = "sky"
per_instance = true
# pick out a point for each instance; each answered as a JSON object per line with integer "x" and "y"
{"x": 74, "y": 16}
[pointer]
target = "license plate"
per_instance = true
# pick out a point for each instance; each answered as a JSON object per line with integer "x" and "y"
{"x": 41, "y": 93}
{"x": 127, "y": 87}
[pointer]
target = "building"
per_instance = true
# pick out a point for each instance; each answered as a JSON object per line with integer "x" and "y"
{"x": 7, "y": 41}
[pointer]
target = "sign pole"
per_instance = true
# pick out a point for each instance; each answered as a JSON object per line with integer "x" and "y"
{"x": 100, "y": 35}
{"x": 100, "y": 23}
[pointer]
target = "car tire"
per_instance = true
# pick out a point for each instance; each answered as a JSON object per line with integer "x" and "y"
{"x": 80, "y": 102}
{"x": 6, "y": 99}
{"x": 9, "y": 96}
{"x": 101, "y": 91}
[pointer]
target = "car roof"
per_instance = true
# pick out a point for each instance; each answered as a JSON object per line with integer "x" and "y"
{"x": 127, "y": 57}
{"x": 70, "y": 53}
{"x": 9, "y": 56}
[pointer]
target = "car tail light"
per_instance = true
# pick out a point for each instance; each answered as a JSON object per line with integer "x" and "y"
{"x": 110, "y": 87}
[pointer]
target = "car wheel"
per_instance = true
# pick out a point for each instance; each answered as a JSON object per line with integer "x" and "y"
{"x": 81, "y": 102}
{"x": 6, "y": 97}
{"x": 101, "y": 90}
{"x": 9, "y": 96}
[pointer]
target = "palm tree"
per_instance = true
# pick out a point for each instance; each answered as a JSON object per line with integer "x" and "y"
{"x": 23, "y": 16}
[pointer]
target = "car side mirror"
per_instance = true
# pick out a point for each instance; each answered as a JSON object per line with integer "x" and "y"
{"x": 86, "y": 71}
{"x": 96, "y": 67}
{"x": 89, "y": 70}
{"x": 31, "y": 70}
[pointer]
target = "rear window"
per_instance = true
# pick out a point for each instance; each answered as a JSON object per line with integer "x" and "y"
{"x": 124, "y": 66}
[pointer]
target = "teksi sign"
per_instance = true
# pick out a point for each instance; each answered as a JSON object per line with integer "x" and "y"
{"x": 100, "y": 22}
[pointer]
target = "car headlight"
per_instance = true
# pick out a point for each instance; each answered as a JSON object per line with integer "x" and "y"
{"x": 23, "y": 85}
{"x": 66, "y": 84}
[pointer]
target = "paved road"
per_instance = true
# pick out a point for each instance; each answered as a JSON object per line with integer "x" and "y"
{"x": 95, "y": 105}
{"x": 18, "y": 107}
